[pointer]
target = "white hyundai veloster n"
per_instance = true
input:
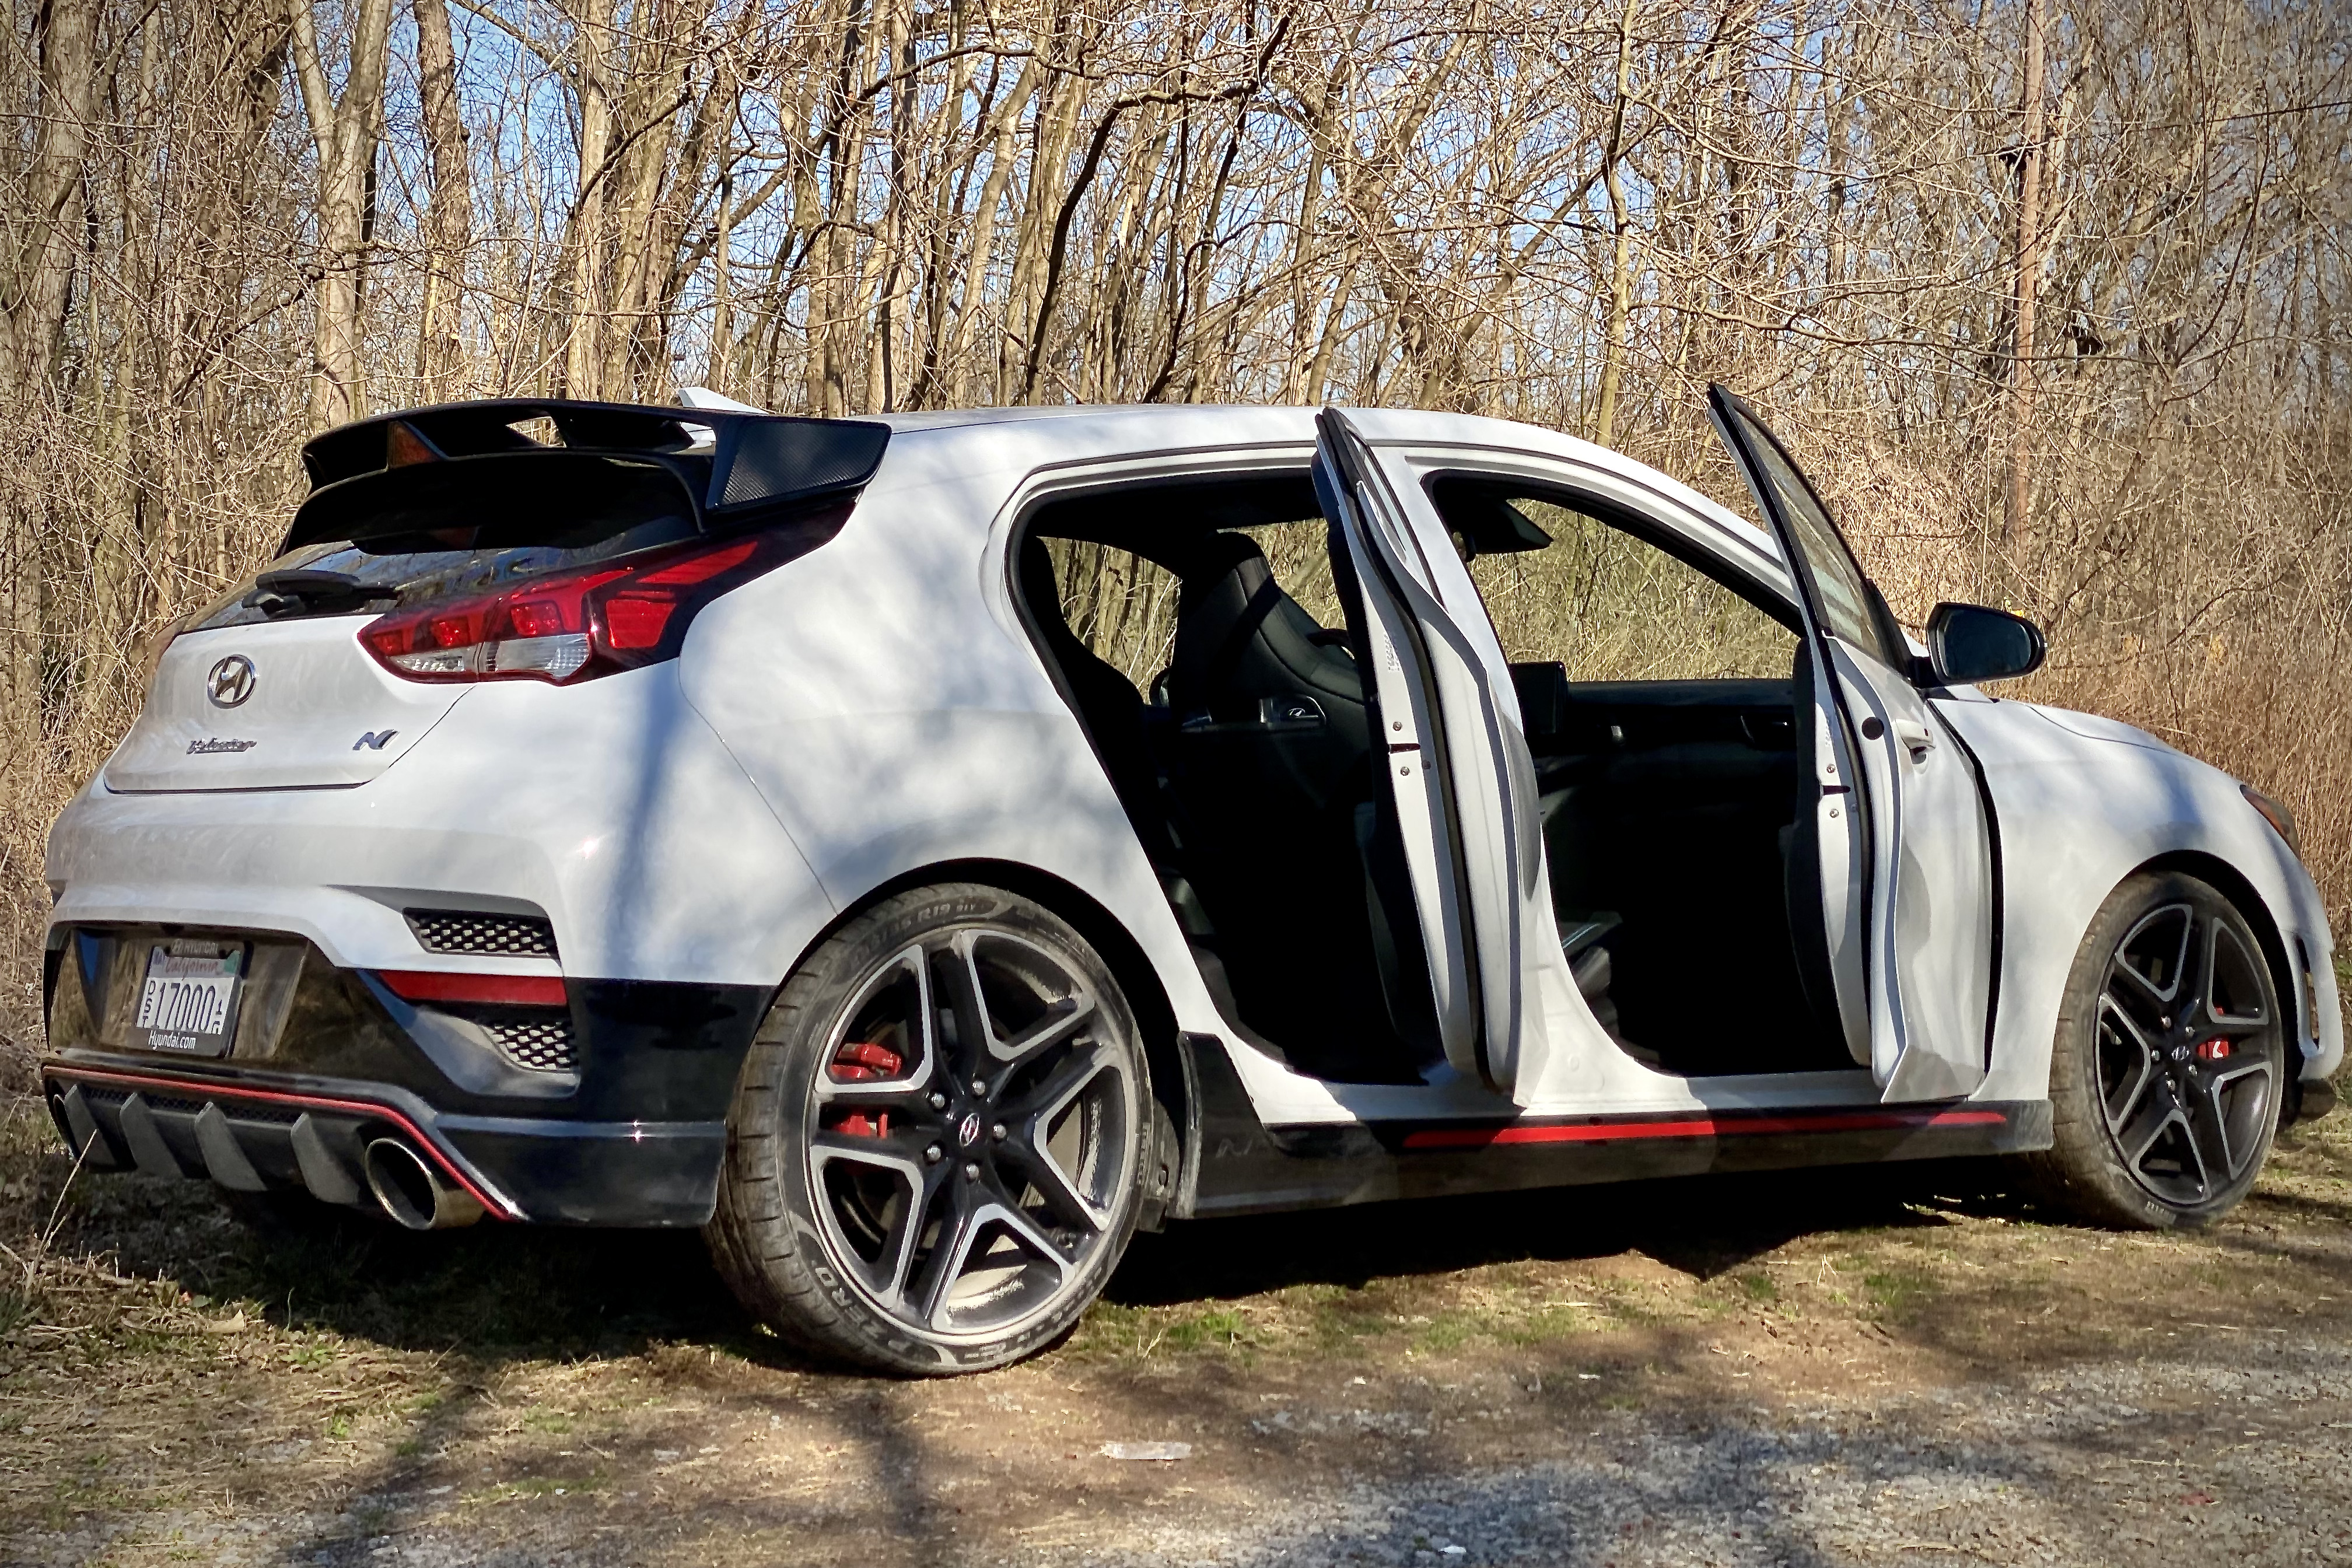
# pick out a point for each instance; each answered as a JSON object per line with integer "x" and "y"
{"x": 633, "y": 815}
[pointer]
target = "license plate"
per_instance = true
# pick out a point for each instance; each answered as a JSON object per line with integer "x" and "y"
{"x": 187, "y": 999}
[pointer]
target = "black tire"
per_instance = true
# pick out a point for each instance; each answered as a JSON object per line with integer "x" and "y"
{"x": 2167, "y": 1067}
{"x": 867, "y": 1222}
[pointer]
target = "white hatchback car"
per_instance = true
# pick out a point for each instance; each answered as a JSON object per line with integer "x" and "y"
{"x": 688, "y": 816}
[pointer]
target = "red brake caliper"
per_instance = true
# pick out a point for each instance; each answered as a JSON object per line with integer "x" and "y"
{"x": 2216, "y": 1049}
{"x": 858, "y": 1061}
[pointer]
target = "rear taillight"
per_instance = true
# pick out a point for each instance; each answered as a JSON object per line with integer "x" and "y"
{"x": 573, "y": 625}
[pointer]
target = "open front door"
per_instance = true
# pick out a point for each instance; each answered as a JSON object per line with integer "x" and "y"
{"x": 1899, "y": 824}
{"x": 1457, "y": 765}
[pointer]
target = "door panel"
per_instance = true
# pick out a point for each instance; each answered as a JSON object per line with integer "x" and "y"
{"x": 1667, "y": 808}
{"x": 1908, "y": 916}
{"x": 1929, "y": 832}
{"x": 1459, "y": 767}
{"x": 1406, "y": 711}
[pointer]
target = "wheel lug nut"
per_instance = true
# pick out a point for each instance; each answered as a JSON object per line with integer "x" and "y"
{"x": 971, "y": 1172}
{"x": 939, "y": 1102}
{"x": 997, "y": 1131}
{"x": 932, "y": 1155}
{"x": 980, "y": 1087}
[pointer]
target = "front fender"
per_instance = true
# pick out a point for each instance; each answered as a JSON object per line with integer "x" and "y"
{"x": 2082, "y": 803}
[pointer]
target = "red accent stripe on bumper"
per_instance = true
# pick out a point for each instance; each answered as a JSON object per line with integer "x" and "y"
{"x": 197, "y": 1088}
{"x": 1697, "y": 1127}
{"x": 495, "y": 990}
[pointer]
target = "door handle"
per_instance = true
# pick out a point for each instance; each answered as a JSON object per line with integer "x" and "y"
{"x": 1916, "y": 737}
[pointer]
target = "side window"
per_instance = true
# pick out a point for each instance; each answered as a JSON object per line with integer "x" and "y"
{"x": 1603, "y": 603}
{"x": 1844, "y": 592}
{"x": 1119, "y": 604}
{"x": 1123, "y": 605}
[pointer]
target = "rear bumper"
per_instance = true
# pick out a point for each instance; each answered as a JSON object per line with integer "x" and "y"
{"x": 257, "y": 1132}
{"x": 326, "y": 1059}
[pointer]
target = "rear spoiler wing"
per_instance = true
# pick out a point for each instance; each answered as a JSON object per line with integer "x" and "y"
{"x": 731, "y": 461}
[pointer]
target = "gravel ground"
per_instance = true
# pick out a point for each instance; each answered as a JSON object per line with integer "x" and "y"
{"x": 2121, "y": 1462}
{"x": 2118, "y": 1463}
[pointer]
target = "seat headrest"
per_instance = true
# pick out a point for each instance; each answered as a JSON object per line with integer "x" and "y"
{"x": 1239, "y": 636}
{"x": 1221, "y": 560}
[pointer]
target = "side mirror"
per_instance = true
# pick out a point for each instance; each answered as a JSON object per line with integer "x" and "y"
{"x": 1968, "y": 643}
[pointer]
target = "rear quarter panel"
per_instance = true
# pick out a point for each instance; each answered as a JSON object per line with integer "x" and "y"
{"x": 885, "y": 699}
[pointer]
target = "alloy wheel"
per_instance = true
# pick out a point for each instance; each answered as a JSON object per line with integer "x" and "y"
{"x": 970, "y": 1133}
{"x": 2187, "y": 1054}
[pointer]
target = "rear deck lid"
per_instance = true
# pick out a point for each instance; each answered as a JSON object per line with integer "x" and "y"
{"x": 290, "y": 705}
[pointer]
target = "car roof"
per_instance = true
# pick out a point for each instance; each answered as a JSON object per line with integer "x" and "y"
{"x": 1083, "y": 430}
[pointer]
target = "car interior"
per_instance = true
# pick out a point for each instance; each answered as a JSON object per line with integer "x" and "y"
{"x": 1238, "y": 734}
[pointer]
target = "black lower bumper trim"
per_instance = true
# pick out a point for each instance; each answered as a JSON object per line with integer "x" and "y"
{"x": 600, "y": 1173}
{"x": 253, "y": 1134}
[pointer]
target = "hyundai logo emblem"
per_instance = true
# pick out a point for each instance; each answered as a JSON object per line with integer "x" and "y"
{"x": 230, "y": 681}
{"x": 967, "y": 1130}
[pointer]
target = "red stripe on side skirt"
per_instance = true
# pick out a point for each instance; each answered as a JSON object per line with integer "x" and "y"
{"x": 1697, "y": 1127}
{"x": 495, "y": 990}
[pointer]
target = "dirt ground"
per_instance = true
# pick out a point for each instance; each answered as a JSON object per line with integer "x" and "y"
{"x": 1877, "y": 1365}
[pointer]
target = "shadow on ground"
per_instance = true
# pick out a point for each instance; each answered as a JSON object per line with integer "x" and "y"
{"x": 1700, "y": 1227}
{"x": 518, "y": 1291}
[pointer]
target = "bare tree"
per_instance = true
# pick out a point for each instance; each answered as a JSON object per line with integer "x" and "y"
{"x": 343, "y": 127}
{"x": 448, "y": 221}
{"x": 2017, "y": 518}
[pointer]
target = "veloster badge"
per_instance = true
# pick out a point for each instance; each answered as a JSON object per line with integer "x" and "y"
{"x": 207, "y": 748}
{"x": 230, "y": 681}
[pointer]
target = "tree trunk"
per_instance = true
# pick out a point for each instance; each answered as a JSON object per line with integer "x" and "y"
{"x": 344, "y": 129}
{"x": 2017, "y": 515}
{"x": 450, "y": 227}
{"x": 1621, "y": 279}
{"x": 593, "y": 30}
{"x": 42, "y": 266}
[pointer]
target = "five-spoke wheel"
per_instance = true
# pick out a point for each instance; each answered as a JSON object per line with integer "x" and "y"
{"x": 2165, "y": 1073}
{"x": 933, "y": 1158}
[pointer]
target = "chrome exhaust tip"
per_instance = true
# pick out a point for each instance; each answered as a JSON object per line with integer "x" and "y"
{"x": 412, "y": 1193}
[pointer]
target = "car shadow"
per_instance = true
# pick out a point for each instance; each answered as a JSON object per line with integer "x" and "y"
{"x": 1697, "y": 1226}
{"x": 499, "y": 1292}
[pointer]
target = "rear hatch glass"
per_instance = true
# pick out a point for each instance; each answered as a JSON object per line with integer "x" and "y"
{"x": 413, "y": 536}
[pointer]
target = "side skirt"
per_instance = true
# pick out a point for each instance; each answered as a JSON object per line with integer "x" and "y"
{"x": 1234, "y": 1164}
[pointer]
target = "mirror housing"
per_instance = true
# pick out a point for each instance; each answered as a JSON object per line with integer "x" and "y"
{"x": 1969, "y": 644}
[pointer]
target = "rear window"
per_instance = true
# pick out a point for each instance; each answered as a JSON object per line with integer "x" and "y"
{"x": 408, "y": 537}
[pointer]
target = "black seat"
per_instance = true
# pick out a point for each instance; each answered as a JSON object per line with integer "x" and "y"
{"x": 1272, "y": 768}
{"x": 1241, "y": 641}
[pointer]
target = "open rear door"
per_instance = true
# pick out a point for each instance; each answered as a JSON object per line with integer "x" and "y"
{"x": 1464, "y": 797}
{"x": 1904, "y": 847}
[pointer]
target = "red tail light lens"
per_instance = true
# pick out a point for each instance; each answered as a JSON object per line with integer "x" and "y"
{"x": 575, "y": 626}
